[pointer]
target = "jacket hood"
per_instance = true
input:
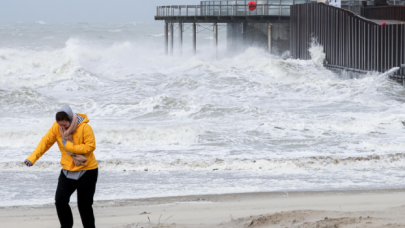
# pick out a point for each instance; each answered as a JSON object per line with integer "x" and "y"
{"x": 66, "y": 109}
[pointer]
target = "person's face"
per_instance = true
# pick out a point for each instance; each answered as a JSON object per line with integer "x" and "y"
{"x": 64, "y": 124}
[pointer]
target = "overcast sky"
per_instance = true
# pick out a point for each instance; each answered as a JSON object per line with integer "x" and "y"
{"x": 92, "y": 11}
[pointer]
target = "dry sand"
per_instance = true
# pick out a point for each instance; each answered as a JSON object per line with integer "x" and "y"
{"x": 383, "y": 208}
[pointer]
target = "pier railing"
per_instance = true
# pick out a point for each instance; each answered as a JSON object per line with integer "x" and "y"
{"x": 384, "y": 12}
{"x": 350, "y": 42}
{"x": 225, "y": 10}
{"x": 177, "y": 11}
{"x": 241, "y": 8}
{"x": 272, "y": 8}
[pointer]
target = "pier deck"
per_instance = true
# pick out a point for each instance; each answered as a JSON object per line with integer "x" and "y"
{"x": 223, "y": 19}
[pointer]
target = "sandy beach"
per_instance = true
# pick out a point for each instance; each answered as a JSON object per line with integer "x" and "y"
{"x": 382, "y": 208}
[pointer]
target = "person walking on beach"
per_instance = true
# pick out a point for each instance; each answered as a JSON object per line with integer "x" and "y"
{"x": 79, "y": 171}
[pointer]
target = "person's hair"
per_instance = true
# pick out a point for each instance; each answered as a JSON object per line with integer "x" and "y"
{"x": 60, "y": 116}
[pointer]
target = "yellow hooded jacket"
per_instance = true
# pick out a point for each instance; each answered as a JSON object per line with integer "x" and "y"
{"x": 84, "y": 143}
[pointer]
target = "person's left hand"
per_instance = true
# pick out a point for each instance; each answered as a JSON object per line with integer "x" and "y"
{"x": 27, "y": 163}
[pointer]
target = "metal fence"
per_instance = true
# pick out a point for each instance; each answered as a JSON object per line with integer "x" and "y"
{"x": 222, "y": 10}
{"x": 349, "y": 41}
{"x": 352, "y": 5}
{"x": 229, "y": 8}
{"x": 177, "y": 11}
{"x": 241, "y": 8}
{"x": 384, "y": 12}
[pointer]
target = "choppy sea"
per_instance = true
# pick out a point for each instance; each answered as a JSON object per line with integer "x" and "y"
{"x": 184, "y": 124}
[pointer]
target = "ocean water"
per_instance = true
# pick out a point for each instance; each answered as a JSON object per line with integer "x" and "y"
{"x": 184, "y": 124}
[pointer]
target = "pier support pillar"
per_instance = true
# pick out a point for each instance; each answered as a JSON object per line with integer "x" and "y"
{"x": 269, "y": 38}
{"x": 216, "y": 38}
{"x": 166, "y": 38}
{"x": 195, "y": 38}
{"x": 244, "y": 33}
{"x": 171, "y": 38}
{"x": 181, "y": 38}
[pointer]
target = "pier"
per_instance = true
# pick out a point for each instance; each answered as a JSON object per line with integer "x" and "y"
{"x": 353, "y": 36}
{"x": 268, "y": 21}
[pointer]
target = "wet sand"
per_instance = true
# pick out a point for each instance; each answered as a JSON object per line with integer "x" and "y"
{"x": 382, "y": 208}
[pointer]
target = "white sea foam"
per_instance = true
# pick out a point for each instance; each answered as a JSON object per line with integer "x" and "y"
{"x": 193, "y": 163}
{"x": 163, "y": 135}
{"x": 116, "y": 135}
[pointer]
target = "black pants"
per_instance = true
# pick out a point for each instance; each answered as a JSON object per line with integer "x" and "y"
{"x": 86, "y": 187}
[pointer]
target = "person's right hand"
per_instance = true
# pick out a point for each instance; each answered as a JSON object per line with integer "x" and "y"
{"x": 27, "y": 163}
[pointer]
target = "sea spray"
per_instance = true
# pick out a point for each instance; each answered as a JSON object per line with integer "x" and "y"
{"x": 379, "y": 79}
{"x": 317, "y": 52}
